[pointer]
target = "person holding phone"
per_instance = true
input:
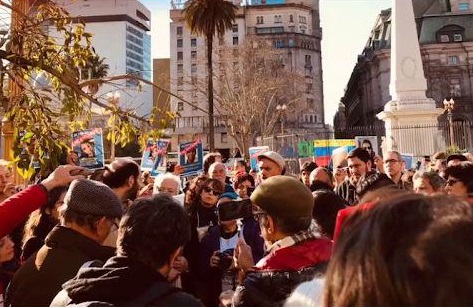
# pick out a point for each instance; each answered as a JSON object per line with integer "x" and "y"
{"x": 217, "y": 270}
{"x": 244, "y": 185}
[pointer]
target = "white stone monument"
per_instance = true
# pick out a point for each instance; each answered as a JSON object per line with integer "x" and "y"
{"x": 409, "y": 106}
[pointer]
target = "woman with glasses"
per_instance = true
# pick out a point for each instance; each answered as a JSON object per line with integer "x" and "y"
{"x": 202, "y": 215}
{"x": 460, "y": 180}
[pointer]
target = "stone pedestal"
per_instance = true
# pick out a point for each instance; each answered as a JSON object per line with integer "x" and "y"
{"x": 413, "y": 131}
{"x": 410, "y": 117}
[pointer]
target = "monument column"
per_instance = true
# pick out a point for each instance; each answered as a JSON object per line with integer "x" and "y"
{"x": 410, "y": 117}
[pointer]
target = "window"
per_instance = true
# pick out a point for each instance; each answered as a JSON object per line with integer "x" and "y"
{"x": 464, "y": 6}
{"x": 194, "y": 105}
{"x": 180, "y": 106}
{"x": 179, "y": 55}
{"x": 291, "y": 18}
{"x": 193, "y": 42}
{"x": 457, "y": 38}
{"x": 259, "y": 20}
{"x": 180, "y": 68}
{"x": 455, "y": 88}
{"x": 193, "y": 55}
{"x": 277, "y": 19}
{"x": 310, "y": 102}
{"x": 452, "y": 60}
{"x": 194, "y": 69}
{"x": 308, "y": 59}
{"x": 444, "y": 38}
{"x": 179, "y": 43}
{"x": 223, "y": 137}
{"x": 180, "y": 81}
{"x": 179, "y": 31}
{"x": 194, "y": 82}
{"x": 308, "y": 87}
{"x": 235, "y": 41}
{"x": 302, "y": 19}
{"x": 235, "y": 28}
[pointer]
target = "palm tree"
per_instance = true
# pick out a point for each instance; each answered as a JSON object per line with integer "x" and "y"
{"x": 208, "y": 18}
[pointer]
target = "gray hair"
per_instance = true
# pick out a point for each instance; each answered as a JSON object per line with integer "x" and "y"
{"x": 161, "y": 177}
{"x": 434, "y": 179}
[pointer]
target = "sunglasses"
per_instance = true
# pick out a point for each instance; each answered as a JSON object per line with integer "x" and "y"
{"x": 212, "y": 191}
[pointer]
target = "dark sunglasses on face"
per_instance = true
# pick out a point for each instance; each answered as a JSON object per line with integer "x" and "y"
{"x": 211, "y": 191}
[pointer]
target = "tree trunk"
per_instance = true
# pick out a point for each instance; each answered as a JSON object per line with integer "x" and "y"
{"x": 210, "y": 92}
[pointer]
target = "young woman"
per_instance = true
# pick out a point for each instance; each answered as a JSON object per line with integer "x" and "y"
{"x": 41, "y": 222}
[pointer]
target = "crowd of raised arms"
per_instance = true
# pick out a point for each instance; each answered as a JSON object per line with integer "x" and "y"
{"x": 368, "y": 232}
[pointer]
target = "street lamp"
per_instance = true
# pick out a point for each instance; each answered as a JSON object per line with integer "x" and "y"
{"x": 113, "y": 99}
{"x": 281, "y": 108}
{"x": 448, "y": 105}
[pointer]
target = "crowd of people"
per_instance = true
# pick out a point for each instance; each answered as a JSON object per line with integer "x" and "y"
{"x": 367, "y": 233}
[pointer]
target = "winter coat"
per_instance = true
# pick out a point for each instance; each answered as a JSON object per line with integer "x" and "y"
{"x": 40, "y": 278}
{"x": 275, "y": 276}
{"x": 210, "y": 278}
{"x": 15, "y": 209}
{"x": 118, "y": 283}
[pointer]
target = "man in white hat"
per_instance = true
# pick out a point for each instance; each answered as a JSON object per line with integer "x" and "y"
{"x": 271, "y": 164}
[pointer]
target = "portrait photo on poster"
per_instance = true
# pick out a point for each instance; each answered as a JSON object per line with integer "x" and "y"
{"x": 191, "y": 157}
{"x": 88, "y": 144}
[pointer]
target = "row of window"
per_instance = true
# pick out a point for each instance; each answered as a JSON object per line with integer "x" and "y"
{"x": 134, "y": 48}
{"x": 134, "y": 31}
{"x": 180, "y": 30}
{"x": 134, "y": 39}
{"x": 180, "y": 43}
{"x": 180, "y": 68}
{"x": 279, "y": 19}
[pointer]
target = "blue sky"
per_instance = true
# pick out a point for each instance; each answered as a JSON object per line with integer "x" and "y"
{"x": 346, "y": 25}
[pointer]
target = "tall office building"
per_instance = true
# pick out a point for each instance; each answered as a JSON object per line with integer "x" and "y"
{"x": 293, "y": 26}
{"x": 120, "y": 31}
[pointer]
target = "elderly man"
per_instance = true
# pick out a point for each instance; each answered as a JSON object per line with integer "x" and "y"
{"x": 394, "y": 166}
{"x": 167, "y": 183}
{"x": 321, "y": 179}
{"x": 271, "y": 164}
{"x": 90, "y": 211}
{"x": 296, "y": 249}
{"x": 218, "y": 170}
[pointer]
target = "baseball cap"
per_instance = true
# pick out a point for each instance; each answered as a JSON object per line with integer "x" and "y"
{"x": 92, "y": 197}
{"x": 273, "y": 156}
{"x": 283, "y": 196}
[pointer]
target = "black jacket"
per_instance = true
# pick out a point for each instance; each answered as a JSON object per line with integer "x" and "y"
{"x": 40, "y": 278}
{"x": 119, "y": 283}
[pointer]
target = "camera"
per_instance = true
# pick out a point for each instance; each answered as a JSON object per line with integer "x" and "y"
{"x": 226, "y": 259}
{"x": 235, "y": 209}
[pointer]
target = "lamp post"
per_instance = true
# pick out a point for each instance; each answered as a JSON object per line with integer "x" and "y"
{"x": 448, "y": 105}
{"x": 281, "y": 108}
{"x": 113, "y": 99}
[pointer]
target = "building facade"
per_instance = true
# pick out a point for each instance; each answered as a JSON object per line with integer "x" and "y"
{"x": 120, "y": 30}
{"x": 291, "y": 26}
{"x": 446, "y": 44}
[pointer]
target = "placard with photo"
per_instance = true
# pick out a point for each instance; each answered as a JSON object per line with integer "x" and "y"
{"x": 89, "y": 146}
{"x": 191, "y": 157}
{"x": 154, "y": 157}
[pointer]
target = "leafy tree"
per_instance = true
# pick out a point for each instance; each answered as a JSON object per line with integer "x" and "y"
{"x": 44, "y": 57}
{"x": 208, "y": 18}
